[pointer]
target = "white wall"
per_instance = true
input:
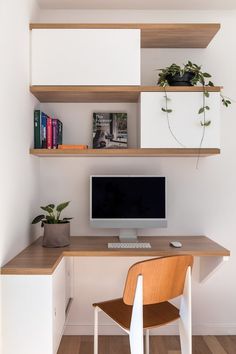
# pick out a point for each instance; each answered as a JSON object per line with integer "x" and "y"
{"x": 19, "y": 173}
{"x": 199, "y": 201}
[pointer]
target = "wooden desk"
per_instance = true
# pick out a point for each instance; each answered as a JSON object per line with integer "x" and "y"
{"x": 36, "y": 259}
{"x": 35, "y": 283}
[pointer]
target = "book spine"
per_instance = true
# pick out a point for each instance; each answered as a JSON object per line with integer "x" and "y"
{"x": 60, "y": 132}
{"x": 54, "y": 133}
{"x": 37, "y": 129}
{"x": 49, "y": 133}
{"x": 43, "y": 130}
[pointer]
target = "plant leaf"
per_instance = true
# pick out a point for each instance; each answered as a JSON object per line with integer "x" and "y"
{"x": 52, "y": 206}
{"x": 206, "y": 75}
{"x": 206, "y": 94}
{"x": 169, "y": 110}
{"x": 47, "y": 209}
{"x": 62, "y": 206}
{"x": 207, "y": 107}
{"x": 50, "y": 219}
{"x": 163, "y": 110}
{"x": 210, "y": 83}
{"x": 206, "y": 124}
{"x": 66, "y": 219}
{"x": 38, "y": 219}
{"x": 201, "y": 110}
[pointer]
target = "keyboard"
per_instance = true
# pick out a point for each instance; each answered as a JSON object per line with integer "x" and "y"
{"x": 129, "y": 245}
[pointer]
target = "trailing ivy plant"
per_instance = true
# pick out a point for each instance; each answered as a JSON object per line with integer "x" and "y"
{"x": 197, "y": 77}
{"x": 53, "y": 214}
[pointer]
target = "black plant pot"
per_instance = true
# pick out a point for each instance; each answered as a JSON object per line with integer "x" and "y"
{"x": 177, "y": 80}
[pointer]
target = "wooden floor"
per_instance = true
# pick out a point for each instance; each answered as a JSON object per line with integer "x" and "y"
{"x": 158, "y": 345}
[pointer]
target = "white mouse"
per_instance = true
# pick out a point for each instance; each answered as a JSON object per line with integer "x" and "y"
{"x": 176, "y": 244}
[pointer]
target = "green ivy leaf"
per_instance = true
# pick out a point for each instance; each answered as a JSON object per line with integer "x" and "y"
{"x": 207, "y": 107}
{"x": 210, "y": 83}
{"x": 206, "y": 94}
{"x": 163, "y": 110}
{"x": 206, "y": 75}
{"x": 201, "y": 110}
{"x": 169, "y": 110}
{"x": 206, "y": 124}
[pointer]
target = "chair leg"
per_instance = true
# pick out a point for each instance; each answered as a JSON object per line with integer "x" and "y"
{"x": 147, "y": 342}
{"x": 96, "y": 310}
{"x": 136, "y": 326}
{"x": 185, "y": 321}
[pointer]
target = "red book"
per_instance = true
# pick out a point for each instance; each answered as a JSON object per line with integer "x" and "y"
{"x": 49, "y": 133}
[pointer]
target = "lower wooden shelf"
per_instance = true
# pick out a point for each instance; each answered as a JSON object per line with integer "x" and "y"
{"x": 160, "y": 152}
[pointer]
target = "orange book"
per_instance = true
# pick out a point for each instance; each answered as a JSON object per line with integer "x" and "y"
{"x": 67, "y": 147}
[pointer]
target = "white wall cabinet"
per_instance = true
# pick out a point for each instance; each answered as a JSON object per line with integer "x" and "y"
{"x": 85, "y": 57}
{"x": 184, "y": 120}
{"x": 34, "y": 315}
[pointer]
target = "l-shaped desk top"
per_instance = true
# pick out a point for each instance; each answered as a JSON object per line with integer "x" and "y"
{"x": 36, "y": 259}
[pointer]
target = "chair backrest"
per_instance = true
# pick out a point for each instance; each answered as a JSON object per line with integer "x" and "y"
{"x": 163, "y": 279}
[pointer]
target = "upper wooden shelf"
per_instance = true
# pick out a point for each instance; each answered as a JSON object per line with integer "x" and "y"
{"x": 104, "y": 93}
{"x": 159, "y": 152}
{"x": 162, "y": 35}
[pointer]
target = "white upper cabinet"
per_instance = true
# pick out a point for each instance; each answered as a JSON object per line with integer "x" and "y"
{"x": 85, "y": 57}
{"x": 184, "y": 123}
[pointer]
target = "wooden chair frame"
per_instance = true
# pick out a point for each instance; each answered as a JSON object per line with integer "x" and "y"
{"x": 136, "y": 326}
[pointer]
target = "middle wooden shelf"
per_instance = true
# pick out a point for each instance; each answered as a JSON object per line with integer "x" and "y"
{"x": 106, "y": 94}
{"x": 130, "y": 152}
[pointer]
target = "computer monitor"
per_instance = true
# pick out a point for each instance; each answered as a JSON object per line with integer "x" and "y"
{"x": 128, "y": 203}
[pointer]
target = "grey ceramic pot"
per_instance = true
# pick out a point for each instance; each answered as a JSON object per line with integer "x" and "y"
{"x": 56, "y": 235}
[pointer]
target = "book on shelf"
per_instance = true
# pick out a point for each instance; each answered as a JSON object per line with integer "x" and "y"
{"x": 110, "y": 131}
{"x": 40, "y": 124}
{"x": 72, "y": 147}
{"x": 48, "y": 132}
{"x": 37, "y": 129}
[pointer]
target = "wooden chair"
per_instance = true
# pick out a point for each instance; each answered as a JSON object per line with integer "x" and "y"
{"x": 149, "y": 286}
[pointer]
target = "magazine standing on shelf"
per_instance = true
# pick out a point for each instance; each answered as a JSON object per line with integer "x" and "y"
{"x": 110, "y": 131}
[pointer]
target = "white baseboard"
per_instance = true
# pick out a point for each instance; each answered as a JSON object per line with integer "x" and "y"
{"x": 171, "y": 329}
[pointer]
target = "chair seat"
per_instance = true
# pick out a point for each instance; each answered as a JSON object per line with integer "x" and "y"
{"x": 153, "y": 315}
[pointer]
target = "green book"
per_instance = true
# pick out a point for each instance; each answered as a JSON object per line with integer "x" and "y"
{"x": 37, "y": 129}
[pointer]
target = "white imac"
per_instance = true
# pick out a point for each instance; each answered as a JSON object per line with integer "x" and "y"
{"x": 128, "y": 203}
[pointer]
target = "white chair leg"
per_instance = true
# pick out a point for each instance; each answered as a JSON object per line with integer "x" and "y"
{"x": 185, "y": 321}
{"x": 136, "y": 326}
{"x": 147, "y": 342}
{"x": 96, "y": 310}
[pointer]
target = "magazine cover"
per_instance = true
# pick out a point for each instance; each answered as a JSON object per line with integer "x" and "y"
{"x": 110, "y": 131}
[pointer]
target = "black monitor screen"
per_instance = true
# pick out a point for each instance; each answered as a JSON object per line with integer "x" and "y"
{"x": 128, "y": 198}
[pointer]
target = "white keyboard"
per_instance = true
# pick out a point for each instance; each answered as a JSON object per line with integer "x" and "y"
{"x": 129, "y": 245}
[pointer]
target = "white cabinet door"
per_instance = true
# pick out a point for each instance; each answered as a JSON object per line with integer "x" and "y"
{"x": 27, "y": 326}
{"x": 59, "y": 304}
{"x": 184, "y": 120}
{"x": 85, "y": 57}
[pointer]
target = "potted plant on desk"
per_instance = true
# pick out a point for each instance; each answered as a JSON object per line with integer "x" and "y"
{"x": 56, "y": 230}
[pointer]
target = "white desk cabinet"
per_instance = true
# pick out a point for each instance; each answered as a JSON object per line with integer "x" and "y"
{"x": 34, "y": 311}
{"x": 85, "y": 57}
{"x": 185, "y": 122}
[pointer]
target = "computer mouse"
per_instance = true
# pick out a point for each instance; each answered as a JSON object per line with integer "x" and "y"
{"x": 176, "y": 244}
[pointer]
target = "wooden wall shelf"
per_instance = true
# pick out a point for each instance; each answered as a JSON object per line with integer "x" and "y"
{"x": 162, "y": 35}
{"x": 168, "y": 152}
{"x": 106, "y": 94}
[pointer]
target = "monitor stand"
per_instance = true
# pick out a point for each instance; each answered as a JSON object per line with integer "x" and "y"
{"x": 128, "y": 235}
